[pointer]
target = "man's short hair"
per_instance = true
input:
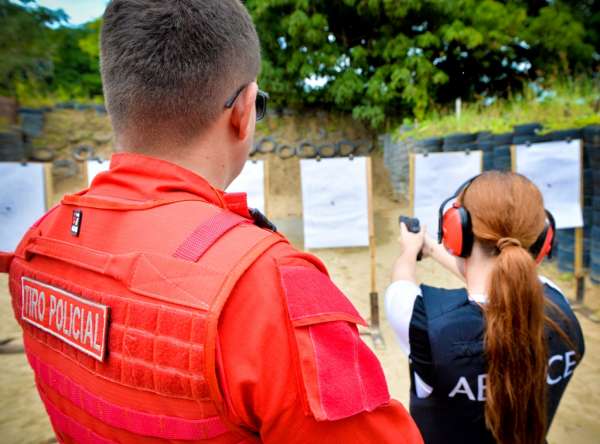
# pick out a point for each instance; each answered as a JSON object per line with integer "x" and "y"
{"x": 170, "y": 65}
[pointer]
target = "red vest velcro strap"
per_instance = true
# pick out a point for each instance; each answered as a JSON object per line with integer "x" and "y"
{"x": 70, "y": 253}
{"x": 207, "y": 234}
{"x": 312, "y": 298}
{"x": 141, "y": 423}
{"x": 5, "y": 261}
{"x": 350, "y": 379}
{"x": 68, "y": 426}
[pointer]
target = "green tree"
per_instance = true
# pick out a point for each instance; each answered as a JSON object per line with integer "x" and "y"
{"x": 76, "y": 61}
{"x": 26, "y": 45}
{"x": 383, "y": 60}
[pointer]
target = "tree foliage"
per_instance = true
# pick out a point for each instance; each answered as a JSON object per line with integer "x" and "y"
{"x": 41, "y": 56}
{"x": 385, "y": 59}
{"x": 25, "y": 42}
{"x": 381, "y": 60}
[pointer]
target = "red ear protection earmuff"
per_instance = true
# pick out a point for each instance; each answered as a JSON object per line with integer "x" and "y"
{"x": 545, "y": 243}
{"x": 456, "y": 231}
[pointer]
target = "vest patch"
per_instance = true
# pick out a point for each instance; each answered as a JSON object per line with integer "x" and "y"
{"x": 80, "y": 323}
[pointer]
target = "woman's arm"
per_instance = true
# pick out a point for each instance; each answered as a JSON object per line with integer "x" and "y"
{"x": 405, "y": 268}
{"x": 438, "y": 253}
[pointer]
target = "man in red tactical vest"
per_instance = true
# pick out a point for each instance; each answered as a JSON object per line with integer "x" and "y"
{"x": 157, "y": 308}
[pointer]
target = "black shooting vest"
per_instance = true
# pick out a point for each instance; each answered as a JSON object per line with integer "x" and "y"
{"x": 447, "y": 353}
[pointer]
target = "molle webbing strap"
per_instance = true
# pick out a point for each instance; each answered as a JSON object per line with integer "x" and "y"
{"x": 74, "y": 430}
{"x": 134, "y": 421}
{"x": 207, "y": 234}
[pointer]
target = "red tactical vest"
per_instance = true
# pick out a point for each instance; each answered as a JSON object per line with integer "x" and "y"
{"x": 120, "y": 320}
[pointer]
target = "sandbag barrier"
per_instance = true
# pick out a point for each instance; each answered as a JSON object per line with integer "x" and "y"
{"x": 497, "y": 156}
{"x": 306, "y": 149}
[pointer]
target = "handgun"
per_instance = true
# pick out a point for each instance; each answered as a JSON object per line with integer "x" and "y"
{"x": 414, "y": 226}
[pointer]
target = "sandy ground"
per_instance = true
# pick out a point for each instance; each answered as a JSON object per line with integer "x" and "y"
{"x": 23, "y": 420}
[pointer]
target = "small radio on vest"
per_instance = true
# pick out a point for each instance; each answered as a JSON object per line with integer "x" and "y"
{"x": 414, "y": 226}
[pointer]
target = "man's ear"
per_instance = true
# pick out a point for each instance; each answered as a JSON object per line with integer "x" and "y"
{"x": 243, "y": 114}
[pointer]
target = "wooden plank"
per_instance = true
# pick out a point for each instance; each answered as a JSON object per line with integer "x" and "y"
{"x": 579, "y": 238}
{"x": 513, "y": 158}
{"x": 48, "y": 186}
{"x": 482, "y": 163}
{"x": 578, "y": 252}
{"x": 411, "y": 183}
{"x": 372, "y": 241}
{"x": 86, "y": 174}
{"x": 267, "y": 181}
{"x": 375, "y": 330}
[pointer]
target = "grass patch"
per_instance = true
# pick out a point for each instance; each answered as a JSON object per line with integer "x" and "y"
{"x": 564, "y": 105}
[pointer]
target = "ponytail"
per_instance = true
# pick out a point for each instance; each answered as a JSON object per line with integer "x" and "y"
{"x": 516, "y": 349}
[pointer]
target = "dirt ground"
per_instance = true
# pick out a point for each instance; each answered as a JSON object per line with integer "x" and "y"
{"x": 22, "y": 417}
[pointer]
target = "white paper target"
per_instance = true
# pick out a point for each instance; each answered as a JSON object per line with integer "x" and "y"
{"x": 22, "y": 201}
{"x": 252, "y": 182}
{"x": 95, "y": 167}
{"x": 555, "y": 167}
{"x": 335, "y": 202}
{"x": 437, "y": 177}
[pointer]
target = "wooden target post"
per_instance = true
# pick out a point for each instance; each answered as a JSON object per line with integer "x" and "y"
{"x": 579, "y": 239}
{"x": 375, "y": 327}
{"x": 48, "y": 186}
{"x": 579, "y": 271}
{"x": 86, "y": 174}
{"x": 267, "y": 191}
{"x": 411, "y": 184}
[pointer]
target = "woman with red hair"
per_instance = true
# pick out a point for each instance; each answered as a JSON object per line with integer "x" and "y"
{"x": 489, "y": 363}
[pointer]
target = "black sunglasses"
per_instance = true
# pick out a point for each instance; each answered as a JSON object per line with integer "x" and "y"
{"x": 262, "y": 98}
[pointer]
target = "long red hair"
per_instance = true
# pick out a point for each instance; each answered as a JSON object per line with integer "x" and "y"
{"x": 507, "y": 212}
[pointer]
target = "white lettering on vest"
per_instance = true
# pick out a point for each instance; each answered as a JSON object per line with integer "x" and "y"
{"x": 569, "y": 366}
{"x": 60, "y": 314}
{"x": 76, "y": 332}
{"x": 481, "y": 387}
{"x": 549, "y": 379}
{"x": 96, "y": 345}
{"x": 69, "y": 316}
{"x": 462, "y": 386}
{"x": 89, "y": 330}
{"x": 41, "y": 306}
{"x": 68, "y": 321}
{"x": 52, "y": 308}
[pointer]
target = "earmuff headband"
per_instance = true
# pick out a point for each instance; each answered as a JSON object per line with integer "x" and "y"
{"x": 456, "y": 232}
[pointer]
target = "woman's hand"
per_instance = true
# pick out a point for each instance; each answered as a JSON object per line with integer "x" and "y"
{"x": 411, "y": 244}
{"x": 405, "y": 268}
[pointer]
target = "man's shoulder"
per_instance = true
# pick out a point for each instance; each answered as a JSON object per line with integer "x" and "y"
{"x": 338, "y": 374}
{"x": 307, "y": 291}
{"x": 284, "y": 254}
